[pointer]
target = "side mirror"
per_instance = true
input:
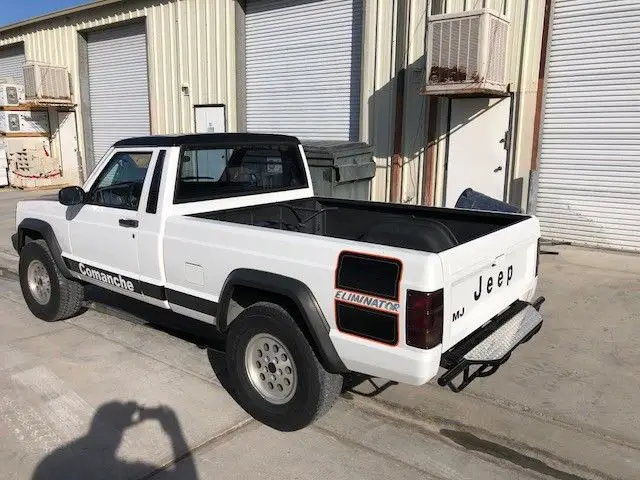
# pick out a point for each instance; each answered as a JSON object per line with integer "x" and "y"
{"x": 71, "y": 196}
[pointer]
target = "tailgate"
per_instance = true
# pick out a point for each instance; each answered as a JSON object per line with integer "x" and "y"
{"x": 485, "y": 276}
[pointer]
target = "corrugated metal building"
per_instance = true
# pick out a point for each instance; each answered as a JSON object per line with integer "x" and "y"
{"x": 589, "y": 174}
{"x": 333, "y": 69}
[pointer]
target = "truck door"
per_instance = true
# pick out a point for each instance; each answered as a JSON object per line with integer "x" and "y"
{"x": 103, "y": 232}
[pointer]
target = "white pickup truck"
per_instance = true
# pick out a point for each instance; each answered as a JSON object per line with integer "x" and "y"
{"x": 225, "y": 228}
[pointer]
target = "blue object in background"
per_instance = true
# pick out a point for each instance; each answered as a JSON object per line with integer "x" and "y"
{"x": 472, "y": 200}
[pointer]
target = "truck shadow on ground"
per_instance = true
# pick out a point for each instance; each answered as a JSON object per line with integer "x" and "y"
{"x": 204, "y": 336}
{"x": 201, "y": 334}
{"x": 94, "y": 455}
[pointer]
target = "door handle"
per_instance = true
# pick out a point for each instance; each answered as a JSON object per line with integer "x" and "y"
{"x": 498, "y": 169}
{"x": 128, "y": 223}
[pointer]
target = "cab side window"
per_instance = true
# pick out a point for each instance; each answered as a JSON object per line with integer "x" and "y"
{"x": 120, "y": 183}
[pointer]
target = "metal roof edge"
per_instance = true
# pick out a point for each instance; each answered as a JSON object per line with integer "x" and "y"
{"x": 56, "y": 14}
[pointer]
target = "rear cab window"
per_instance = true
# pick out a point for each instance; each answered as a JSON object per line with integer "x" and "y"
{"x": 207, "y": 173}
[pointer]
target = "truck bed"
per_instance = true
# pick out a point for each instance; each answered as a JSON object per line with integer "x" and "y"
{"x": 406, "y": 226}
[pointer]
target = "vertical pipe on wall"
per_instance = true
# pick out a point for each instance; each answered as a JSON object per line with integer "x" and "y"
{"x": 400, "y": 70}
{"x": 517, "y": 98}
{"x": 540, "y": 87}
{"x": 430, "y": 154}
{"x": 241, "y": 64}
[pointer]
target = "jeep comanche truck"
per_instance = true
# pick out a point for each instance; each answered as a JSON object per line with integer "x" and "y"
{"x": 225, "y": 229}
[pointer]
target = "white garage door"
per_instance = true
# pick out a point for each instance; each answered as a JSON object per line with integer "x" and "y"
{"x": 11, "y": 62}
{"x": 118, "y": 85}
{"x": 589, "y": 174}
{"x": 303, "y": 67}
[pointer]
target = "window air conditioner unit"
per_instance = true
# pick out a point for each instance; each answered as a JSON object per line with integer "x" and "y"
{"x": 467, "y": 53}
{"x": 44, "y": 83}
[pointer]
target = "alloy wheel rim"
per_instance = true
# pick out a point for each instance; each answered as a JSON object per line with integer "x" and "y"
{"x": 39, "y": 282}
{"x": 271, "y": 368}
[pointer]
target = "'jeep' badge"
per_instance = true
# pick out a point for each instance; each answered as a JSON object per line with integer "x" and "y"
{"x": 501, "y": 279}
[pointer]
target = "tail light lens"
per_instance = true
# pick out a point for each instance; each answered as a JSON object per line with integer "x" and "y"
{"x": 424, "y": 318}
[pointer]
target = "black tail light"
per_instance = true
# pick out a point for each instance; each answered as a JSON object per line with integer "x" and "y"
{"x": 424, "y": 318}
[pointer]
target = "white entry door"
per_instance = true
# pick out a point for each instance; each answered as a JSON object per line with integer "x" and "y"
{"x": 68, "y": 145}
{"x": 477, "y": 156}
{"x": 210, "y": 119}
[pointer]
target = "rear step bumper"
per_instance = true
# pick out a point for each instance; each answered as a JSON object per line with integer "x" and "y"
{"x": 490, "y": 346}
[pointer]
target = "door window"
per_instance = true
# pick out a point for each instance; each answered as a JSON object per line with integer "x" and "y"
{"x": 120, "y": 183}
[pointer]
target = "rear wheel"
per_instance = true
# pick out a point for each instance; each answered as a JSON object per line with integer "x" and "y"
{"x": 277, "y": 377}
{"x": 49, "y": 295}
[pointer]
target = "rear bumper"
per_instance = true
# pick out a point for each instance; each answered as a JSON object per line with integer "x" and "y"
{"x": 490, "y": 346}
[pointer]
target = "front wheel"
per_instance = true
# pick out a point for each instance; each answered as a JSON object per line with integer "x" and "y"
{"x": 276, "y": 374}
{"x": 48, "y": 294}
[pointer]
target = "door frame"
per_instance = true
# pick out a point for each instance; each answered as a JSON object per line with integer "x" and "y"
{"x": 205, "y": 105}
{"x": 79, "y": 166}
{"x": 508, "y": 150}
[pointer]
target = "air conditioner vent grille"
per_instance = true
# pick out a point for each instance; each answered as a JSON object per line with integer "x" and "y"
{"x": 46, "y": 82}
{"x": 467, "y": 49}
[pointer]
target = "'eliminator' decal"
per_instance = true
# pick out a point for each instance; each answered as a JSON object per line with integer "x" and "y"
{"x": 367, "y": 301}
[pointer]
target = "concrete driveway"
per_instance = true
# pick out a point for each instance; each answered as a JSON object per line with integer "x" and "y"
{"x": 565, "y": 406}
{"x": 105, "y": 396}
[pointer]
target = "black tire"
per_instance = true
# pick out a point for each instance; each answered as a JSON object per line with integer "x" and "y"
{"x": 66, "y": 296}
{"x": 316, "y": 389}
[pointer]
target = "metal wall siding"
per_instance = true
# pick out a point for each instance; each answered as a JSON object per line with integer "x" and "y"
{"x": 11, "y": 61}
{"x": 207, "y": 67}
{"x": 303, "y": 67}
{"x": 377, "y": 106}
{"x": 590, "y": 151}
{"x": 118, "y": 85}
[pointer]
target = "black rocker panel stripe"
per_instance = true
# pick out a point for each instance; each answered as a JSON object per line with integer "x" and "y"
{"x": 367, "y": 323}
{"x": 122, "y": 282}
{"x": 132, "y": 285}
{"x": 192, "y": 303}
{"x": 372, "y": 275}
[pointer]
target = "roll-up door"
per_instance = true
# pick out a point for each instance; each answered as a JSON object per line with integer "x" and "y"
{"x": 11, "y": 62}
{"x": 589, "y": 173}
{"x": 118, "y": 85}
{"x": 303, "y": 67}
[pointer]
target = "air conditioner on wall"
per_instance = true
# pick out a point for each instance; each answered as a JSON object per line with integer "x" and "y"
{"x": 467, "y": 53}
{"x": 43, "y": 82}
{"x": 11, "y": 94}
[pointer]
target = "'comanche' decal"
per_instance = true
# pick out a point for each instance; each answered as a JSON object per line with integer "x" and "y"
{"x": 367, "y": 301}
{"x": 112, "y": 279}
